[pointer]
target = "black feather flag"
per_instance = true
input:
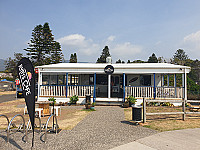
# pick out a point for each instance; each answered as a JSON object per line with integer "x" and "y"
{"x": 26, "y": 75}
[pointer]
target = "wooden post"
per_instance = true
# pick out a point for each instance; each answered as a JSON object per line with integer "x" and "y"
{"x": 183, "y": 109}
{"x": 144, "y": 110}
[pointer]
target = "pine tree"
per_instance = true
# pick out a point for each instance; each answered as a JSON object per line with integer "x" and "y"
{"x": 73, "y": 58}
{"x": 56, "y": 53}
{"x": 42, "y": 47}
{"x": 153, "y": 59}
{"x": 105, "y": 53}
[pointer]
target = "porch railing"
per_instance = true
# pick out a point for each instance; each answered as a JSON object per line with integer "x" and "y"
{"x": 60, "y": 90}
{"x": 169, "y": 92}
{"x": 52, "y": 90}
{"x": 148, "y": 92}
{"x": 138, "y": 91}
{"x": 80, "y": 90}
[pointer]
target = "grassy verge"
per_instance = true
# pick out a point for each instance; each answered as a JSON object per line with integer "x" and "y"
{"x": 166, "y": 122}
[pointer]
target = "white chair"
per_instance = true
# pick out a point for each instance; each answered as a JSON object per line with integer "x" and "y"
{"x": 25, "y": 110}
{"x": 56, "y": 109}
{"x": 39, "y": 110}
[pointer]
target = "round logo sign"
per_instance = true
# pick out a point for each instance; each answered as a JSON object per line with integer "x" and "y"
{"x": 109, "y": 69}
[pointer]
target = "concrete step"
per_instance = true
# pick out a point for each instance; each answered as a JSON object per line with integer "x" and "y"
{"x": 108, "y": 103}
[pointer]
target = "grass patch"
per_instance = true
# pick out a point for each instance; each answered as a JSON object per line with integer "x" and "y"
{"x": 166, "y": 122}
{"x": 69, "y": 118}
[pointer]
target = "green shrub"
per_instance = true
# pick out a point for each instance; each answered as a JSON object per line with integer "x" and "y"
{"x": 131, "y": 100}
{"x": 73, "y": 99}
{"x": 52, "y": 99}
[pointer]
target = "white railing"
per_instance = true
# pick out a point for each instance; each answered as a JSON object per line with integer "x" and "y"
{"x": 60, "y": 90}
{"x": 80, "y": 90}
{"x": 169, "y": 92}
{"x": 138, "y": 91}
{"x": 148, "y": 92}
{"x": 52, "y": 90}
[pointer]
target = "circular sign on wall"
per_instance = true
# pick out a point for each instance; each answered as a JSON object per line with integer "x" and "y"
{"x": 109, "y": 69}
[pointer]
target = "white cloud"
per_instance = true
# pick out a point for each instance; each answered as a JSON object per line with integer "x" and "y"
{"x": 111, "y": 38}
{"x": 88, "y": 50}
{"x": 79, "y": 44}
{"x": 126, "y": 51}
{"x": 191, "y": 43}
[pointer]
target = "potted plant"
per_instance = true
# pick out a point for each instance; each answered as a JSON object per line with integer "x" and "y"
{"x": 52, "y": 99}
{"x": 125, "y": 104}
{"x": 73, "y": 99}
{"x": 88, "y": 105}
{"x": 132, "y": 100}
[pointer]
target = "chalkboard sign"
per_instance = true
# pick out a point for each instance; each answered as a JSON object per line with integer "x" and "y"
{"x": 109, "y": 69}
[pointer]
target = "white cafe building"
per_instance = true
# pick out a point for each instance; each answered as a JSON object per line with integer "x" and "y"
{"x": 149, "y": 80}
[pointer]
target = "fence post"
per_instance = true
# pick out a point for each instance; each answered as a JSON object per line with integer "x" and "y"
{"x": 183, "y": 109}
{"x": 144, "y": 110}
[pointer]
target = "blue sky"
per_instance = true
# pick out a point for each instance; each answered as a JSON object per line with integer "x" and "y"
{"x": 132, "y": 29}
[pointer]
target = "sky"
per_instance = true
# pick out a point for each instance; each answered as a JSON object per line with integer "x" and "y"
{"x": 132, "y": 29}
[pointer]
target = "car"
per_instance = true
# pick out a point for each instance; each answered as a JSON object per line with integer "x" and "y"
{"x": 19, "y": 93}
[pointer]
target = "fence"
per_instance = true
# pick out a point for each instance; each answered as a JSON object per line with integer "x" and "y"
{"x": 148, "y": 92}
{"x": 183, "y": 101}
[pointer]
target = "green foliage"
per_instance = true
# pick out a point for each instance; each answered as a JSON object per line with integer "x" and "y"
{"x": 105, "y": 53}
{"x": 131, "y": 100}
{"x": 52, "y": 99}
{"x": 11, "y": 64}
{"x": 138, "y": 61}
{"x": 73, "y": 99}
{"x": 180, "y": 57}
{"x": 42, "y": 47}
{"x": 73, "y": 58}
{"x": 120, "y": 62}
{"x": 93, "y": 104}
{"x": 166, "y": 104}
{"x": 88, "y": 110}
{"x": 153, "y": 59}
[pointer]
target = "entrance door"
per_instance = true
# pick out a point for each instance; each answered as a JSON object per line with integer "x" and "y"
{"x": 102, "y": 85}
{"x": 116, "y": 86}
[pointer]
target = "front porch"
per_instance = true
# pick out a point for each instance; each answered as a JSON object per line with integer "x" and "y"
{"x": 110, "y": 88}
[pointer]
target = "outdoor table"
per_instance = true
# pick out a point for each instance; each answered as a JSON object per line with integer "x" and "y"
{"x": 45, "y": 106}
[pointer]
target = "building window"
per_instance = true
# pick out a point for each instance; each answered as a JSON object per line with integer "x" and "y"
{"x": 145, "y": 80}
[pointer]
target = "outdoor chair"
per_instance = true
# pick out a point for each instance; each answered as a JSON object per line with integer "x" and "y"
{"x": 40, "y": 111}
{"x": 25, "y": 110}
{"x": 56, "y": 110}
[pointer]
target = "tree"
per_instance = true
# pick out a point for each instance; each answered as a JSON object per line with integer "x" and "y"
{"x": 138, "y": 61}
{"x": 73, "y": 58}
{"x": 180, "y": 57}
{"x": 152, "y": 59}
{"x": 128, "y": 62}
{"x": 56, "y": 54}
{"x": 42, "y": 47}
{"x": 105, "y": 53}
{"x": 118, "y": 61}
{"x": 161, "y": 60}
{"x": 11, "y": 64}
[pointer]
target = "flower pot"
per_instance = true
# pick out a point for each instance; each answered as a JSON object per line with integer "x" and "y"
{"x": 125, "y": 105}
{"x": 92, "y": 108}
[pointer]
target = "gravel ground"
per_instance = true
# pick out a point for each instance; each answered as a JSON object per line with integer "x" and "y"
{"x": 102, "y": 129}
